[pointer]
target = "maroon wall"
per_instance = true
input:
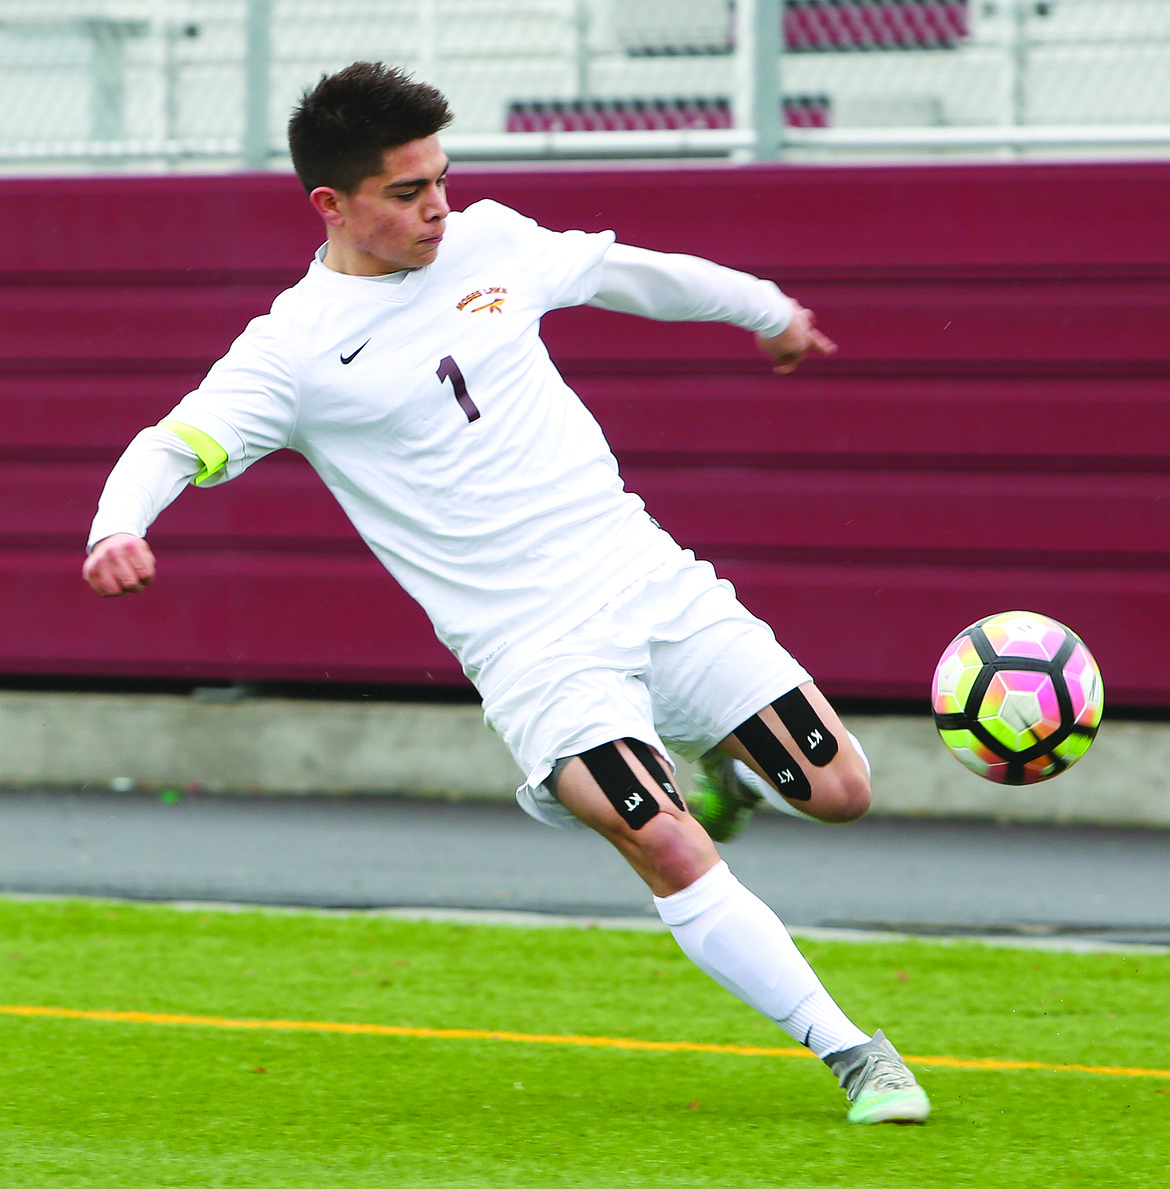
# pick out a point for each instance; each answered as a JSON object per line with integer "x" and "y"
{"x": 994, "y": 433}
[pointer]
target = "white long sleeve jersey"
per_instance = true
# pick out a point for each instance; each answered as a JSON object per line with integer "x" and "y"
{"x": 429, "y": 406}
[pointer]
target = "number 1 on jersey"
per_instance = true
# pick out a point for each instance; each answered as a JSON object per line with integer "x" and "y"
{"x": 449, "y": 370}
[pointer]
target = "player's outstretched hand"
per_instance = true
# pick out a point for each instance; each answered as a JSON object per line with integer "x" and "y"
{"x": 787, "y": 350}
{"x": 119, "y": 564}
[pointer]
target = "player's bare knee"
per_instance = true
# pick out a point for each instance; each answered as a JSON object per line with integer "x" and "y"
{"x": 625, "y": 792}
{"x": 833, "y": 760}
{"x": 669, "y": 839}
{"x": 841, "y": 794}
{"x": 670, "y": 853}
{"x": 829, "y": 781}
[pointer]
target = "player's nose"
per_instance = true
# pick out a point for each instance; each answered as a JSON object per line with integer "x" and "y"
{"x": 438, "y": 207}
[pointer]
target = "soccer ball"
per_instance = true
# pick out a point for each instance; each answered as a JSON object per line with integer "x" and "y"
{"x": 1017, "y": 697}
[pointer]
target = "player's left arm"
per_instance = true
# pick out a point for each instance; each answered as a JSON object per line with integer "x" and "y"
{"x": 799, "y": 339}
{"x": 672, "y": 287}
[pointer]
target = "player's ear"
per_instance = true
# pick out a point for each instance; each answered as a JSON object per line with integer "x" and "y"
{"x": 329, "y": 204}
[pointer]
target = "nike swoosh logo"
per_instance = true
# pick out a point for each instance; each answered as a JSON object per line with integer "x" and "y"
{"x": 351, "y": 358}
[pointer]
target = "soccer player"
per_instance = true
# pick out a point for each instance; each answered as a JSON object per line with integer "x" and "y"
{"x": 407, "y": 367}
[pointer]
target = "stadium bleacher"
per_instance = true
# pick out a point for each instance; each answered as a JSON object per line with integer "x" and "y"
{"x": 835, "y": 25}
{"x": 630, "y": 115}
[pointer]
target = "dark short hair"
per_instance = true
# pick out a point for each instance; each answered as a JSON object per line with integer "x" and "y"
{"x": 341, "y": 128}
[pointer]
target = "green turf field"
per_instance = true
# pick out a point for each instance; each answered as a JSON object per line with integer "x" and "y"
{"x": 138, "y": 1104}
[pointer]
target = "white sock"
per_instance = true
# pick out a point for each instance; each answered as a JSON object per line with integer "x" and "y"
{"x": 861, "y": 752}
{"x": 819, "y": 1024}
{"x": 733, "y": 936}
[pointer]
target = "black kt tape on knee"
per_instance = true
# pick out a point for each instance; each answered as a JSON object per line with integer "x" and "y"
{"x": 617, "y": 781}
{"x": 818, "y": 743}
{"x": 773, "y": 757}
{"x": 650, "y": 762}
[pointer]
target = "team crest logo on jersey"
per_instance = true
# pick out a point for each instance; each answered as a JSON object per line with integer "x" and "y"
{"x": 489, "y": 301}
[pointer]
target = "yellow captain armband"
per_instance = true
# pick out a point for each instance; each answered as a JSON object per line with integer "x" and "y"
{"x": 211, "y": 453}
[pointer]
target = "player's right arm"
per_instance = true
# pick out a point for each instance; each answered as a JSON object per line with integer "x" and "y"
{"x": 154, "y": 468}
{"x": 243, "y": 410}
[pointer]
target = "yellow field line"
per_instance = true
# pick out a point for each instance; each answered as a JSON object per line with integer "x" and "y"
{"x": 596, "y": 1042}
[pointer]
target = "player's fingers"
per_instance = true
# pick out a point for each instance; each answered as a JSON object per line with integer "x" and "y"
{"x": 817, "y": 344}
{"x": 789, "y": 363}
{"x": 822, "y": 344}
{"x": 121, "y": 579}
{"x": 121, "y": 571}
{"x": 102, "y": 581}
{"x": 142, "y": 563}
{"x": 132, "y": 573}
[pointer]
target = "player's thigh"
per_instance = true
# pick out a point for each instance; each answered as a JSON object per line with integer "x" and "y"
{"x": 577, "y": 699}
{"x": 718, "y": 666}
{"x": 625, "y": 791}
{"x": 799, "y": 745}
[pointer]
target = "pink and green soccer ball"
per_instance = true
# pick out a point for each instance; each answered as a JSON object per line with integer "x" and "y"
{"x": 1017, "y": 697}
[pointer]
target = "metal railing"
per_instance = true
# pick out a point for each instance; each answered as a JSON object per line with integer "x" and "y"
{"x": 207, "y": 84}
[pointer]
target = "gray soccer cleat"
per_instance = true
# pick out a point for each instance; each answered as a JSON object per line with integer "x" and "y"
{"x": 719, "y": 801}
{"x": 878, "y": 1084}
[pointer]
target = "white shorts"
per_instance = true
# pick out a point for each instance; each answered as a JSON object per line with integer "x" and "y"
{"x": 675, "y": 660}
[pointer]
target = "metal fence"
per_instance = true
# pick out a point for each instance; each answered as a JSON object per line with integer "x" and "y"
{"x": 208, "y": 84}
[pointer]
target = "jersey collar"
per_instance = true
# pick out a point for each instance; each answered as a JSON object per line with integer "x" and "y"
{"x": 395, "y": 287}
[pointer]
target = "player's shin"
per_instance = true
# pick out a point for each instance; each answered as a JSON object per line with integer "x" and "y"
{"x": 733, "y": 936}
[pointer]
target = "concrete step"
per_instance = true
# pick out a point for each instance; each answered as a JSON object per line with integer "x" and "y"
{"x": 182, "y": 743}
